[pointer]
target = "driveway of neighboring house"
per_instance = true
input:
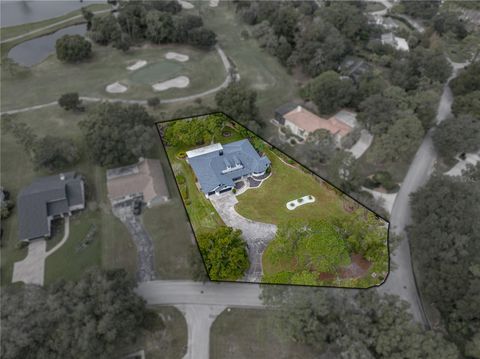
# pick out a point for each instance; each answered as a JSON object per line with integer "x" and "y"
{"x": 256, "y": 234}
{"x": 31, "y": 270}
{"x": 141, "y": 238}
{"x": 363, "y": 143}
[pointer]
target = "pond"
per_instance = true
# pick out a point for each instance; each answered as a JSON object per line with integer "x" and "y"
{"x": 155, "y": 72}
{"x": 22, "y": 12}
{"x": 34, "y": 51}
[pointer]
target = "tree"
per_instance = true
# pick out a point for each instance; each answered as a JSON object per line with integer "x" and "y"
{"x": 70, "y": 101}
{"x": 116, "y": 134}
{"x": 457, "y": 135}
{"x": 400, "y": 142}
{"x": 423, "y": 9}
{"x": 445, "y": 242}
{"x": 132, "y": 20}
{"x": 105, "y": 30}
{"x": 153, "y": 101}
{"x": 190, "y": 132}
{"x": 202, "y": 37}
{"x": 91, "y": 317}
{"x": 320, "y": 146}
{"x": 467, "y": 81}
{"x": 362, "y": 325}
{"x": 445, "y": 22}
{"x": 238, "y": 102}
{"x": 183, "y": 24}
{"x": 329, "y": 92}
{"x": 54, "y": 153}
{"x": 224, "y": 253}
{"x": 467, "y": 104}
{"x": 73, "y": 48}
{"x": 88, "y": 16}
{"x": 159, "y": 27}
{"x": 6, "y": 207}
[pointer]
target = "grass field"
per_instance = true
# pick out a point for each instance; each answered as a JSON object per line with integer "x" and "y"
{"x": 286, "y": 184}
{"x": 261, "y": 71}
{"x": 170, "y": 231}
{"x": 112, "y": 247}
{"x": 107, "y": 66}
{"x": 167, "y": 340}
{"x": 248, "y": 333}
{"x": 374, "y": 6}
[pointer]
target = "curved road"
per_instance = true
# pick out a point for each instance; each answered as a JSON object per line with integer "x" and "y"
{"x": 401, "y": 281}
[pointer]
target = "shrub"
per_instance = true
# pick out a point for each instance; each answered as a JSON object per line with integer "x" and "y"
{"x": 385, "y": 180}
{"x": 234, "y": 190}
{"x": 180, "y": 179}
{"x": 73, "y": 48}
{"x": 153, "y": 101}
{"x": 300, "y": 200}
{"x": 181, "y": 154}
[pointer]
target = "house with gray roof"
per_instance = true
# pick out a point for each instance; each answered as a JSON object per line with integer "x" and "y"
{"x": 217, "y": 167}
{"x": 45, "y": 199}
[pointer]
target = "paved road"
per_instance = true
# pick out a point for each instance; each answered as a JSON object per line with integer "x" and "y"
{"x": 401, "y": 281}
{"x": 171, "y": 292}
{"x": 10, "y": 39}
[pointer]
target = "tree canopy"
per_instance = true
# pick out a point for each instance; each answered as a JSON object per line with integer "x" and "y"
{"x": 224, "y": 253}
{"x": 457, "y": 135}
{"x": 73, "y": 48}
{"x": 191, "y": 132}
{"x": 89, "y": 318}
{"x": 54, "y": 153}
{"x": 330, "y": 92}
{"x": 118, "y": 134}
{"x": 238, "y": 101}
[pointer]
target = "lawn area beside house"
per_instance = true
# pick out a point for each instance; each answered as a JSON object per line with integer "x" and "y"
{"x": 167, "y": 337}
{"x": 248, "y": 333}
{"x": 288, "y": 182}
{"x": 112, "y": 247}
{"x": 108, "y": 65}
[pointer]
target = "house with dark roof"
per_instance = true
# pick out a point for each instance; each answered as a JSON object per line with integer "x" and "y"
{"x": 354, "y": 67}
{"x": 217, "y": 167}
{"x": 144, "y": 180}
{"x": 45, "y": 199}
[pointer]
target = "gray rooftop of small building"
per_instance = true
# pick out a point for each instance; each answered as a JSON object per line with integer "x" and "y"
{"x": 47, "y": 196}
{"x": 210, "y": 168}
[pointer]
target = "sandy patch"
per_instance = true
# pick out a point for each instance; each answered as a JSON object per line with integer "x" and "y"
{"x": 176, "y": 56}
{"x": 214, "y": 3}
{"x": 185, "y": 4}
{"x": 116, "y": 87}
{"x": 137, "y": 65}
{"x": 177, "y": 82}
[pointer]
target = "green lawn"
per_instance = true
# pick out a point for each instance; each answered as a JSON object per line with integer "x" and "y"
{"x": 112, "y": 247}
{"x": 261, "y": 71}
{"x": 286, "y": 183}
{"x": 108, "y": 65}
{"x": 167, "y": 339}
{"x": 374, "y": 6}
{"x": 171, "y": 232}
{"x": 248, "y": 333}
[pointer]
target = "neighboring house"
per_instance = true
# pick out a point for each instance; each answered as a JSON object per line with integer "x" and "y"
{"x": 48, "y": 198}
{"x": 303, "y": 122}
{"x": 144, "y": 180}
{"x": 354, "y": 67}
{"x": 397, "y": 42}
{"x": 217, "y": 167}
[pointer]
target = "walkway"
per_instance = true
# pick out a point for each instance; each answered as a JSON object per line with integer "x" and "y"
{"x": 31, "y": 270}
{"x": 10, "y": 39}
{"x": 224, "y": 84}
{"x": 256, "y": 234}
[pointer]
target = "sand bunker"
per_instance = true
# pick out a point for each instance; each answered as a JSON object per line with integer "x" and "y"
{"x": 186, "y": 4}
{"x": 177, "y": 82}
{"x": 176, "y": 56}
{"x": 116, "y": 87}
{"x": 214, "y": 3}
{"x": 137, "y": 65}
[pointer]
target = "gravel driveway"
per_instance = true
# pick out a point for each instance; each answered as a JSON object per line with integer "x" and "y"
{"x": 256, "y": 234}
{"x": 141, "y": 238}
